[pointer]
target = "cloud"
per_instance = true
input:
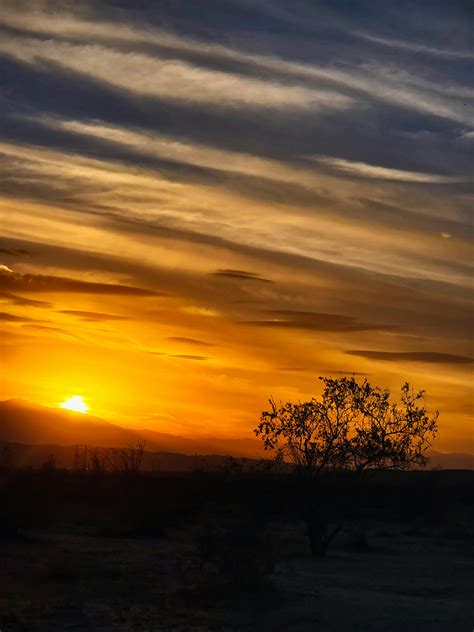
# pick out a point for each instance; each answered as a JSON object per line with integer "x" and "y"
{"x": 24, "y": 302}
{"x": 416, "y": 47}
{"x": 413, "y": 356}
{"x": 189, "y": 357}
{"x": 206, "y": 213}
{"x": 356, "y": 373}
{"x": 54, "y": 330}
{"x": 241, "y": 274}
{"x": 313, "y": 321}
{"x": 170, "y": 148}
{"x": 384, "y": 173}
{"x": 38, "y": 283}
{"x": 174, "y": 162}
{"x": 170, "y": 79}
{"x": 15, "y": 252}
{"x": 190, "y": 341}
{"x": 92, "y": 316}
{"x": 96, "y": 55}
{"x": 12, "y": 318}
{"x": 199, "y": 310}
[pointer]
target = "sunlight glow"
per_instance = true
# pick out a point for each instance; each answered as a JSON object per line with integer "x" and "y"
{"x": 75, "y": 403}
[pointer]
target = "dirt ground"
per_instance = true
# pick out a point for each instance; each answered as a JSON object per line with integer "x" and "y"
{"x": 403, "y": 580}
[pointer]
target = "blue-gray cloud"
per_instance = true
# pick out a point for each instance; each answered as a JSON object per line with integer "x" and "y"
{"x": 330, "y": 142}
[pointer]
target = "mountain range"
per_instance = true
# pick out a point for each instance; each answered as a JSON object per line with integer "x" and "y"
{"x": 27, "y": 423}
{"x": 38, "y": 431}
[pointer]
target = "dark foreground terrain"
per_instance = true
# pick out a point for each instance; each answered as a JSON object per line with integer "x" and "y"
{"x": 229, "y": 552}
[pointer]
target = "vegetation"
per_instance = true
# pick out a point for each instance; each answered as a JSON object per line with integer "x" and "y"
{"x": 101, "y": 460}
{"x": 230, "y": 548}
{"x": 353, "y": 428}
{"x": 220, "y": 550}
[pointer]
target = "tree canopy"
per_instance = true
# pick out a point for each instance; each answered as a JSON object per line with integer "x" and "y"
{"x": 353, "y": 426}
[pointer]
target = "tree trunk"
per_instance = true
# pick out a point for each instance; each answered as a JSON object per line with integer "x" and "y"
{"x": 320, "y": 536}
{"x": 316, "y": 540}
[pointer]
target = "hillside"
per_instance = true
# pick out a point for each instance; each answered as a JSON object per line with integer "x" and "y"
{"x": 27, "y": 423}
{"x": 24, "y": 422}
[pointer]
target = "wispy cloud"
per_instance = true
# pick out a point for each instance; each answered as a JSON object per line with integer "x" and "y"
{"x": 6, "y": 317}
{"x": 413, "y": 356}
{"x": 24, "y": 302}
{"x": 190, "y": 341}
{"x": 330, "y": 229}
{"x": 385, "y": 173}
{"x": 167, "y": 147}
{"x": 172, "y": 80}
{"x": 189, "y": 357}
{"x": 313, "y": 321}
{"x": 50, "y": 284}
{"x": 92, "y": 317}
{"x": 416, "y": 47}
{"x": 52, "y": 330}
{"x": 14, "y": 252}
{"x": 273, "y": 184}
{"x": 178, "y": 80}
{"x": 241, "y": 275}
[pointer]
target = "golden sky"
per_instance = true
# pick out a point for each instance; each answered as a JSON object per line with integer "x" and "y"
{"x": 198, "y": 214}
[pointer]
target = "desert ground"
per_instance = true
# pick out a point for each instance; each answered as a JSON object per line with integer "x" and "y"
{"x": 403, "y": 581}
{"x": 93, "y": 568}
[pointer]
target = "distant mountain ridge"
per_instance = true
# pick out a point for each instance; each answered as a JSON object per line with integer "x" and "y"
{"x": 29, "y": 425}
{"x": 32, "y": 424}
{"x": 452, "y": 460}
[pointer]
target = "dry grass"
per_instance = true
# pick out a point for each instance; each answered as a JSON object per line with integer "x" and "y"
{"x": 79, "y": 582}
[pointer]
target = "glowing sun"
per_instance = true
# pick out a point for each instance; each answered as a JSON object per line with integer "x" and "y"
{"x": 75, "y": 403}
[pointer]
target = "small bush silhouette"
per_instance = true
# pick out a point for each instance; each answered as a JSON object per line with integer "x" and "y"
{"x": 233, "y": 557}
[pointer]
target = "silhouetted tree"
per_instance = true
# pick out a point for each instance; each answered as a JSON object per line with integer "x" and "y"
{"x": 231, "y": 466}
{"x": 5, "y": 456}
{"x": 99, "y": 460}
{"x": 354, "y": 427}
{"x": 131, "y": 457}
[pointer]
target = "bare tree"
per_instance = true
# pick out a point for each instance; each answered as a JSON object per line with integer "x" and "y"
{"x": 131, "y": 457}
{"x": 49, "y": 465}
{"x": 6, "y": 456}
{"x": 99, "y": 460}
{"x": 231, "y": 466}
{"x": 354, "y": 427}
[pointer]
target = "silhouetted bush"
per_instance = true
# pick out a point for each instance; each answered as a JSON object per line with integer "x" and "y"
{"x": 233, "y": 513}
{"x": 352, "y": 430}
{"x": 232, "y": 555}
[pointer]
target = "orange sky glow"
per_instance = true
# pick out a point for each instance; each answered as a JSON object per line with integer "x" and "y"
{"x": 178, "y": 277}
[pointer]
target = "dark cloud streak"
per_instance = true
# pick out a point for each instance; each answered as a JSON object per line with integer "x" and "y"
{"x": 92, "y": 316}
{"x": 189, "y": 357}
{"x": 190, "y": 341}
{"x": 314, "y": 321}
{"x": 412, "y": 356}
{"x": 24, "y": 302}
{"x": 39, "y": 283}
{"x": 241, "y": 275}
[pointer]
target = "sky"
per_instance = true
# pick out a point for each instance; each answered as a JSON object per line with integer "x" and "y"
{"x": 207, "y": 204}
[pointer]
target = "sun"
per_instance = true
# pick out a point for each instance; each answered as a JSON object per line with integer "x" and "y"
{"x": 75, "y": 403}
